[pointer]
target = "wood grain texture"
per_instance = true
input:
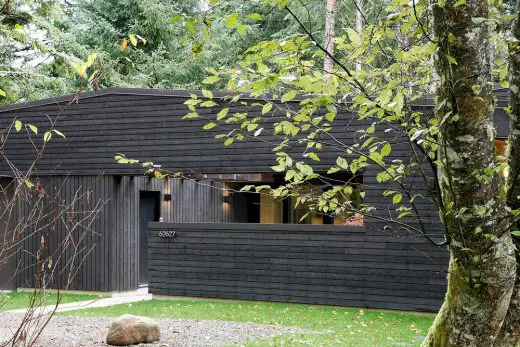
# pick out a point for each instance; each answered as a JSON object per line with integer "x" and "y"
{"x": 317, "y": 264}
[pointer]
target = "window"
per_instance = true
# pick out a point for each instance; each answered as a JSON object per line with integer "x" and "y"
{"x": 249, "y": 207}
{"x": 501, "y": 146}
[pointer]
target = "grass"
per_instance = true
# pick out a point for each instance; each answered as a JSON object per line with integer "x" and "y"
{"x": 331, "y": 326}
{"x": 17, "y": 300}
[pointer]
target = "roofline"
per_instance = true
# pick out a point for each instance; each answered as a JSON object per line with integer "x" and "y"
{"x": 426, "y": 101}
{"x": 93, "y": 94}
{"x": 182, "y": 93}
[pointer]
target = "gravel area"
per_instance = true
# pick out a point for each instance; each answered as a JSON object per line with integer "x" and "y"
{"x": 76, "y": 331}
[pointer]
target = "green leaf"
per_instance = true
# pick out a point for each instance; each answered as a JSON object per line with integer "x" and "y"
{"x": 376, "y": 157}
{"x": 459, "y": 3}
{"x": 342, "y": 163}
{"x": 251, "y": 127}
{"x": 397, "y": 198}
{"x": 516, "y": 233}
{"x": 255, "y": 16}
{"x": 241, "y": 29}
{"x": 451, "y": 59}
{"x": 385, "y": 97}
{"x": 333, "y": 169}
{"x": 59, "y": 133}
{"x": 28, "y": 184}
{"x": 210, "y": 80}
{"x": 223, "y": 113}
{"x": 2, "y": 93}
{"x": 288, "y": 96}
{"x": 278, "y": 168}
{"x": 196, "y": 48}
{"x": 267, "y": 107}
{"x": 133, "y": 39}
{"x": 177, "y": 19}
{"x": 387, "y": 148}
{"x": 231, "y": 21}
{"x": 208, "y": 103}
{"x": 191, "y": 115}
{"x": 313, "y": 156}
{"x": 33, "y": 128}
{"x": 210, "y": 125}
{"x": 228, "y": 142}
{"x": 190, "y": 25}
{"x": 354, "y": 36}
{"x": 207, "y": 93}
{"x": 18, "y": 125}
{"x": 47, "y": 136}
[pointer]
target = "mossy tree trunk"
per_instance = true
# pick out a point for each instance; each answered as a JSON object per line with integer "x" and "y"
{"x": 482, "y": 265}
{"x": 510, "y": 333}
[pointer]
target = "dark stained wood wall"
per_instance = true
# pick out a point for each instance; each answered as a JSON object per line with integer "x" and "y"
{"x": 7, "y": 261}
{"x": 104, "y": 254}
{"x": 192, "y": 201}
{"x": 334, "y": 265}
{"x": 148, "y": 125}
{"x": 79, "y": 254}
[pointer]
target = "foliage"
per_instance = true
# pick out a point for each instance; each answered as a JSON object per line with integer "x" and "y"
{"x": 179, "y": 40}
{"x": 31, "y": 64}
{"x": 328, "y": 326}
{"x": 381, "y": 93}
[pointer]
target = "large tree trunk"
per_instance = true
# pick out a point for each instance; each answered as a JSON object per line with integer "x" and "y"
{"x": 510, "y": 333}
{"x": 482, "y": 266}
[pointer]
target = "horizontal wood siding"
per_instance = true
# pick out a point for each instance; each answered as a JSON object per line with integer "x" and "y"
{"x": 150, "y": 127}
{"x": 347, "y": 266}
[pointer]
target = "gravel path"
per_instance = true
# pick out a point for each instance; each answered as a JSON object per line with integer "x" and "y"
{"x": 76, "y": 331}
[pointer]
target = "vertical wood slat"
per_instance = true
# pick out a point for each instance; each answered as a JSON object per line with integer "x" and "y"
{"x": 90, "y": 266}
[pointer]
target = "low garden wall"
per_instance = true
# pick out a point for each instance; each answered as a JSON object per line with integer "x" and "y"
{"x": 315, "y": 264}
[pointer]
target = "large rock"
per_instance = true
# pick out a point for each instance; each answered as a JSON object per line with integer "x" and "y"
{"x": 131, "y": 330}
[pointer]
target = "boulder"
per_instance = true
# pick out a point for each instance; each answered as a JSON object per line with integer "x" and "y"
{"x": 131, "y": 330}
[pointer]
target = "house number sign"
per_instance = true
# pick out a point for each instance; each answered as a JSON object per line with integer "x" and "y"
{"x": 167, "y": 234}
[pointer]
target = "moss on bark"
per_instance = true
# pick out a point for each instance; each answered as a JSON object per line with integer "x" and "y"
{"x": 483, "y": 265}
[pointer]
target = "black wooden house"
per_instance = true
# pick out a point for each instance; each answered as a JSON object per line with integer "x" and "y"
{"x": 227, "y": 244}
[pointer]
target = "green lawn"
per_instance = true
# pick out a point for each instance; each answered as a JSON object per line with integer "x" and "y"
{"x": 16, "y": 300}
{"x": 333, "y": 326}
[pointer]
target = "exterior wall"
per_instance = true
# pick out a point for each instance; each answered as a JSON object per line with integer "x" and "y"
{"x": 147, "y": 125}
{"x": 85, "y": 251}
{"x": 334, "y": 265}
{"x": 105, "y": 252}
{"x": 7, "y": 263}
{"x": 197, "y": 201}
{"x": 192, "y": 201}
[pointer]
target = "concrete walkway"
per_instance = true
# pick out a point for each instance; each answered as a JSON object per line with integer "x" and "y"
{"x": 116, "y": 299}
